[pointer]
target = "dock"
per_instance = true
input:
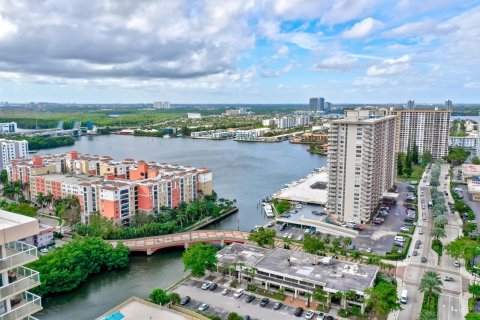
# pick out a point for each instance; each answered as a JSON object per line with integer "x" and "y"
{"x": 311, "y": 190}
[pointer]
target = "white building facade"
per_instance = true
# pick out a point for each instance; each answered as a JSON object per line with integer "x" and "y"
{"x": 8, "y": 127}
{"x": 12, "y": 149}
{"x": 361, "y": 164}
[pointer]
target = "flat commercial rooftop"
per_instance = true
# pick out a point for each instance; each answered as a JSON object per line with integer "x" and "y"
{"x": 15, "y": 226}
{"x": 302, "y": 191}
{"x": 136, "y": 309}
{"x": 335, "y": 275}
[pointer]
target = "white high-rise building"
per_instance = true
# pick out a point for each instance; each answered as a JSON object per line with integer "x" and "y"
{"x": 15, "y": 279}
{"x": 12, "y": 149}
{"x": 427, "y": 129}
{"x": 161, "y": 105}
{"x": 8, "y": 127}
{"x": 361, "y": 163}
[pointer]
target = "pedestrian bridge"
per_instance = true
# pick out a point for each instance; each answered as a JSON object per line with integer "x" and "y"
{"x": 152, "y": 244}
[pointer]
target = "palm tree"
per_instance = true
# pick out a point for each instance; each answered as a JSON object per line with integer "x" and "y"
{"x": 351, "y": 295}
{"x": 347, "y": 241}
{"x": 48, "y": 199}
{"x": 40, "y": 199}
{"x": 438, "y": 233}
{"x": 321, "y": 296}
{"x": 428, "y": 315}
{"x": 440, "y": 221}
{"x": 430, "y": 283}
{"x": 251, "y": 273}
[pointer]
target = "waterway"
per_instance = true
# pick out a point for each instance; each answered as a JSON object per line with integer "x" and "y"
{"x": 243, "y": 171}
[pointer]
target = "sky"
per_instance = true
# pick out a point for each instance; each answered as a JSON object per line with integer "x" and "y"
{"x": 245, "y": 51}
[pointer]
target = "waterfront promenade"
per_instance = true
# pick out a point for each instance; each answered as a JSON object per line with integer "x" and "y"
{"x": 152, "y": 244}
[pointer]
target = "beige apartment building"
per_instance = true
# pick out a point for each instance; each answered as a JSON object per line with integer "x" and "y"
{"x": 361, "y": 163}
{"x": 428, "y": 129}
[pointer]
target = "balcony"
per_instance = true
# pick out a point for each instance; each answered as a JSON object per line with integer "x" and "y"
{"x": 23, "y": 279}
{"x": 18, "y": 254}
{"x": 28, "y": 305}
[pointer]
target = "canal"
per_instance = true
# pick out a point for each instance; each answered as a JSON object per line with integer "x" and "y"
{"x": 243, "y": 171}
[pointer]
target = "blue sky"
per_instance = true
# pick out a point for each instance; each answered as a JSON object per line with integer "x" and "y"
{"x": 249, "y": 51}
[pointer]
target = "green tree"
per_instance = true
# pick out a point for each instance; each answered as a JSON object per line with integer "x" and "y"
{"x": 199, "y": 257}
{"x": 347, "y": 241}
{"x": 474, "y": 289}
{"x": 159, "y": 296}
{"x": 263, "y": 237}
{"x": 234, "y": 316}
{"x": 464, "y": 248}
{"x": 427, "y": 157}
{"x": 40, "y": 199}
{"x": 457, "y": 155}
{"x": 428, "y": 315}
{"x": 440, "y": 221}
{"x": 69, "y": 210}
{"x": 438, "y": 233}
{"x": 313, "y": 245}
{"x": 400, "y": 163}
{"x": 472, "y": 316}
{"x": 68, "y": 266}
{"x": 430, "y": 283}
{"x": 383, "y": 298}
{"x": 174, "y": 297}
{"x": 337, "y": 243}
{"x": 415, "y": 155}
{"x": 320, "y": 295}
{"x": 408, "y": 169}
{"x": 3, "y": 177}
{"x": 475, "y": 160}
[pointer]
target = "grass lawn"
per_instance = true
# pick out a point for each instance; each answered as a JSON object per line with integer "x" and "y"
{"x": 416, "y": 174}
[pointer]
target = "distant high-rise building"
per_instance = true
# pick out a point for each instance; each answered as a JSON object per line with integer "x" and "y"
{"x": 161, "y": 105}
{"x": 321, "y": 104}
{"x": 12, "y": 149}
{"x": 328, "y": 107}
{"x": 410, "y": 104}
{"x": 448, "y": 104}
{"x": 314, "y": 104}
{"x": 427, "y": 129}
{"x": 361, "y": 163}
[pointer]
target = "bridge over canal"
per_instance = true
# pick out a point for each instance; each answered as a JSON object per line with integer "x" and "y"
{"x": 152, "y": 244}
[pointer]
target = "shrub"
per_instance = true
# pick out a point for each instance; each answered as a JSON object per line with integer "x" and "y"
{"x": 343, "y": 313}
{"x": 356, "y": 311}
{"x": 174, "y": 297}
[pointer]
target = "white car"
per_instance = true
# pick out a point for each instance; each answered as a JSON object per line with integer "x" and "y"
{"x": 309, "y": 314}
{"x": 321, "y": 316}
{"x": 44, "y": 250}
{"x": 238, "y": 293}
{"x": 456, "y": 264}
{"x": 447, "y": 278}
{"x": 225, "y": 291}
{"x": 405, "y": 229}
{"x": 206, "y": 285}
{"x": 203, "y": 307}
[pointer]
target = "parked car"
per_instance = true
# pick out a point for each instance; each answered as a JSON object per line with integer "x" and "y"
{"x": 277, "y": 305}
{"x": 329, "y": 318}
{"x": 309, "y": 314}
{"x": 447, "y": 278}
{"x": 369, "y": 250}
{"x": 283, "y": 226}
{"x": 206, "y": 285}
{"x": 270, "y": 224}
{"x": 44, "y": 250}
{"x": 264, "y": 302}
{"x": 185, "y": 300}
{"x": 250, "y": 298}
{"x": 351, "y": 247}
{"x": 300, "y": 238}
{"x": 246, "y": 317}
{"x": 415, "y": 253}
{"x": 320, "y": 316}
{"x": 238, "y": 293}
{"x": 298, "y": 312}
{"x": 405, "y": 229}
{"x": 213, "y": 286}
{"x": 225, "y": 291}
{"x": 203, "y": 307}
{"x": 423, "y": 259}
{"x": 285, "y": 215}
{"x": 456, "y": 264}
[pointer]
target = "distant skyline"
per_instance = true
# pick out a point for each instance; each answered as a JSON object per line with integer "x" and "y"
{"x": 245, "y": 51}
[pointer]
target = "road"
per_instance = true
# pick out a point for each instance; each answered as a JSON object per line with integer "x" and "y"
{"x": 449, "y": 303}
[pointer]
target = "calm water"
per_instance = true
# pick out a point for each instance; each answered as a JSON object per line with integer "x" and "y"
{"x": 244, "y": 171}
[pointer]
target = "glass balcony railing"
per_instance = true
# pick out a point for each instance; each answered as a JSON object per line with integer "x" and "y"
{"x": 18, "y": 253}
{"x": 28, "y": 305}
{"x": 21, "y": 279}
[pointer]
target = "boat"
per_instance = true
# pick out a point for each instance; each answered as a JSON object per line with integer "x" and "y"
{"x": 298, "y": 206}
{"x": 32, "y": 151}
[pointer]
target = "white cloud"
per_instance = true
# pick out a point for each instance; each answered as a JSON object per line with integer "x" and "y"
{"x": 472, "y": 85}
{"x": 363, "y": 29}
{"x": 390, "y": 66}
{"x": 283, "y": 50}
{"x": 6, "y": 28}
{"x": 340, "y": 61}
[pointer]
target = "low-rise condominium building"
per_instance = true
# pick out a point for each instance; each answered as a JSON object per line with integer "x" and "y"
{"x": 115, "y": 189}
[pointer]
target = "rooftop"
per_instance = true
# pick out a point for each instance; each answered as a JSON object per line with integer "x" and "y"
{"x": 135, "y": 308}
{"x": 70, "y": 178}
{"x": 15, "y": 226}
{"x": 324, "y": 271}
{"x": 302, "y": 190}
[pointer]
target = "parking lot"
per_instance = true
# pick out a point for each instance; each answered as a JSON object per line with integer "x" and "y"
{"x": 222, "y": 305}
{"x": 378, "y": 238}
